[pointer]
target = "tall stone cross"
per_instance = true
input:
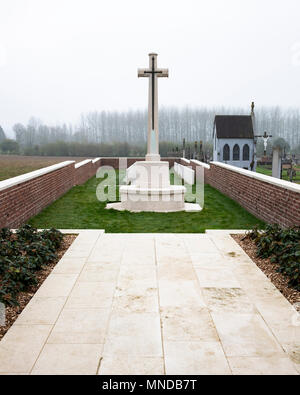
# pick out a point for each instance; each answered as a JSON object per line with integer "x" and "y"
{"x": 153, "y": 73}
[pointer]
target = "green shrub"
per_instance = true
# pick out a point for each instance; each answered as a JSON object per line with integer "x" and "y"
{"x": 5, "y": 234}
{"x": 53, "y": 235}
{"x": 282, "y": 246}
{"x": 20, "y": 271}
{"x": 27, "y": 233}
{"x": 8, "y": 292}
{"x": 21, "y": 255}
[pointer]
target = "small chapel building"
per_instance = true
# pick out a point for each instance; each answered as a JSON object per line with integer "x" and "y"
{"x": 234, "y": 141}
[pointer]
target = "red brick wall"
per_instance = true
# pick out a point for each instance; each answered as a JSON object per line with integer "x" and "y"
{"x": 22, "y": 201}
{"x": 170, "y": 160}
{"x": 96, "y": 166}
{"x": 184, "y": 162}
{"x": 84, "y": 173}
{"x": 114, "y": 162}
{"x": 271, "y": 203}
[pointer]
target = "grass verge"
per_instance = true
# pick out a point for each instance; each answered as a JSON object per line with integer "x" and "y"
{"x": 80, "y": 209}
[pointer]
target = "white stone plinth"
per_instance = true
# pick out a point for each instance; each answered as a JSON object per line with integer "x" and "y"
{"x": 150, "y": 190}
{"x": 153, "y": 157}
{"x": 138, "y": 199}
{"x": 188, "y": 207}
{"x": 150, "y": 174}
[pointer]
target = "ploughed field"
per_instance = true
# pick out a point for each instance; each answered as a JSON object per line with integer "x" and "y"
{"x": 15, "y": 165}
{"x": 80, "y": 209}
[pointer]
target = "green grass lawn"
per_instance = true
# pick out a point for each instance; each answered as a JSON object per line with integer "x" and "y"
{"x": 268, "y": 171}
{"x": 80, "y": 209}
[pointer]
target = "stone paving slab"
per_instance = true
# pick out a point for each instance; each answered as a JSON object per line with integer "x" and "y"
{"x": 154, "y": 304}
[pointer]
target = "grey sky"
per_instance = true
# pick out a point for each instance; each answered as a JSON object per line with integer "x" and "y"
{"x": 59, "y": 58}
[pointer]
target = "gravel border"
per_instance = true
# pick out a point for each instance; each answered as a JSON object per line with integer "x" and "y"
{"x": 269, "y": 269}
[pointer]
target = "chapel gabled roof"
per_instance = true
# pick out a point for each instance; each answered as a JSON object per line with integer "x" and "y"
{"x": 234, "y": 126}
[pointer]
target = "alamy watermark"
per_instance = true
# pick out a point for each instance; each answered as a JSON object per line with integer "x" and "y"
{"x": 152, "y": 178}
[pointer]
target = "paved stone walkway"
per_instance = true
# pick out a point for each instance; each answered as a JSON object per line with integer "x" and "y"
{"x": 154, "y": 304}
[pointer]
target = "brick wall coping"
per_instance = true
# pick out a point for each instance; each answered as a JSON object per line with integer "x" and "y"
{"x": 10, "y": 182}
{"x": 95, "y": 160}
{"x": 184, "y": 160}
{"x": 197, "y": 162}
{"x": 84, "y": 162}
{"x": 261, "y": 177}
{"x": 137, "y": 157}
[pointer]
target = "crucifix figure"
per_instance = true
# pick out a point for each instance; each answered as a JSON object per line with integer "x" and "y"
{"x": 153, "y": 73}
{"x": 265, "y": 138}
{"x": 252, "y": 108}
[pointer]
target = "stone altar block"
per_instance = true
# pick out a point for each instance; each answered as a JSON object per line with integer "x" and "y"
{"x": 150, "y": 189}
{"x": 150, "y": 174}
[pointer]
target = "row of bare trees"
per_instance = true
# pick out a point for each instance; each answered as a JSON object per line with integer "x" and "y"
{"x": 174, "y": 125}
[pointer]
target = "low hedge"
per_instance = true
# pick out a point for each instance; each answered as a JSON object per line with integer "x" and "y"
{"x": 22, "y": 254}
{"x": 282, "y": 246}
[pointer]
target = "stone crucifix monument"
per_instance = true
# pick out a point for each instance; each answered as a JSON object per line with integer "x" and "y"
{"x": 148, "y": 182}
{"x": 266, "y": 138}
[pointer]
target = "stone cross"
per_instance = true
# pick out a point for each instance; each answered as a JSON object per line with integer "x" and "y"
{"x": 153, "y": 73}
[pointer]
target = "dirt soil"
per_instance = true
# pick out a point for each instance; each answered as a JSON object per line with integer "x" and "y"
{"x": 15, "y": 165}
{"x": 269, "y": 269}
{"x": 12, "y": 312}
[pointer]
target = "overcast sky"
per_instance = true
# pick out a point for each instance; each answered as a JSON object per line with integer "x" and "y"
{"x": 59, "y": 58}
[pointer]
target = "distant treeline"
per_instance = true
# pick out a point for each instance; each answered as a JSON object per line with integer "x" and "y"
{"x": 62, "y": 148}
{"x": 110, "y": 128}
